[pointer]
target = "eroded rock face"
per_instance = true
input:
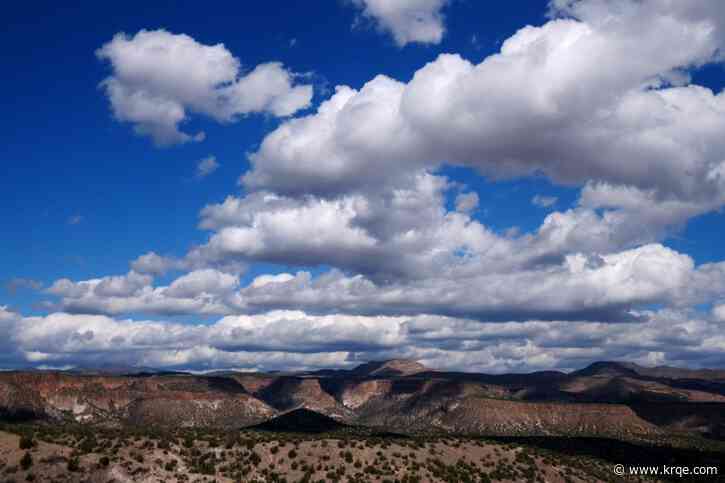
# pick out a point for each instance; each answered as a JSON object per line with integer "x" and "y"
{"x": 355, "y": 395}
{"x": 210, "y": 410}
{"x": 397, "y": 395}
{"x": 501, "y": 417}
{"x": 288, "y": 393}
{"x": 115, "y": 400}
{"x": 19, "y": 402}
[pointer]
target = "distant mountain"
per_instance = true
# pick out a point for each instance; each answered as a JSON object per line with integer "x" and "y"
{"x": 612, "y": 368}
{"x": 114, "y": 370}
{"x": 390, "y": 368}
{"x": 609, "y": 368}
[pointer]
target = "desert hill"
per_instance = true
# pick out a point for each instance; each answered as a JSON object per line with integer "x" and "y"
{"x": 612, "y": 399}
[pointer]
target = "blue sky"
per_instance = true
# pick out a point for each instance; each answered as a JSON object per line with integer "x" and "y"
{"x": 83, "y": 195}
{"x": 66, "y": 156}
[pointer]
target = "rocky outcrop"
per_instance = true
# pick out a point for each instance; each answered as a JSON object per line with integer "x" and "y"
{"x": 608, "y": 399}
{"x": 208, "y": 410}
{"x": 116, "y": 400}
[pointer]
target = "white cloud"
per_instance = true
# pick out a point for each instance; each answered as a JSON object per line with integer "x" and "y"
{"x": 263, "y": 280}
{"x": 198, "y": 292}
{"x": 604, "y": 288}
{"x": 155, "y": 264}
{"x": 200, "y": 282}
{"x": 116, "y": 286}
{"x": 544, "y": 201}
{"x": 206, "y": 166}
{"x": 626, "y": 133}
{"x": 75, "y": 220}
{"x": 402, "y": 233}
{"x": 354, "y": 186}
{"x": 719, "y": 312}
{"x": 159, "y": 78}
{"x": 543, "y": 104}
{"x": 467, "y": 202}
{"x": 407, "y": 21}
{"x": 488, "y": 287}
{"x": 294, "y": 339}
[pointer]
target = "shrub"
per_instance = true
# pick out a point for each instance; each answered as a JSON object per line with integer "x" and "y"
{"x": 88, "y": 445}
{"x": 26, "y": 442}
{"x": 348, "y": 456}
{"x": 26, "y": 461}
{"x": 74, "y": 464}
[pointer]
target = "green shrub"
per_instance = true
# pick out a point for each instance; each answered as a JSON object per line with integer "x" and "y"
{"x": 26, "y": 461}
{"x": 27, "y": 442}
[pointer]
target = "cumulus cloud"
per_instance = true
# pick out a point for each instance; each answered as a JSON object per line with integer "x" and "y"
{"x": 152, "y": 263}
{"x": 121, "y": 286}
{"x": 155, "y": 264}
{"x": 262, "y": 280}
{"x": 544, "y": 104}
{"x": 283, "y": 339}
{"x": 207, "y": 281}
{"x": 198, "y": 292}
{"x": 160, "y": 78}
{"x": 624, "y": 133}
{"x": 407, "y": 21}
{"x": 401, "y": 233}
{"x": 598, "y": 97}
{"x": 206, "y": 166}
{"x": 607, "y": 288}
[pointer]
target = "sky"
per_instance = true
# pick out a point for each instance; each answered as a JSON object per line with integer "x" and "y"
{"x": 523, "y": 186}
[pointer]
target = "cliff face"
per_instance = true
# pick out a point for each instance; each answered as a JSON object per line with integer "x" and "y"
{"x": 114, "y": 400}
{"x": 604, "y": 399}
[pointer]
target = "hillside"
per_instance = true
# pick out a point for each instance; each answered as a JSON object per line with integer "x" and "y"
{"x": 610, "y": 399}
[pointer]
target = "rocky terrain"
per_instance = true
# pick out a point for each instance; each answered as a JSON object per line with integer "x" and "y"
{"x": 611, "y": 399}
{"x": 257, "y": 456}
{"x": 381, "y": 421}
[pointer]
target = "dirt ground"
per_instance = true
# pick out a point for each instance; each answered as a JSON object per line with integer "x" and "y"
{"x": 288, "y": 459}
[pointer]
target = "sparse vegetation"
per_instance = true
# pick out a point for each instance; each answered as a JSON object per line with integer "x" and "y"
{"x": 26, "y": 461}
{"x": 74, "y": 464}
{"x": 26, "y": 442}
{"x": 278, "y": 457}
{"x": 308, "y": 446}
